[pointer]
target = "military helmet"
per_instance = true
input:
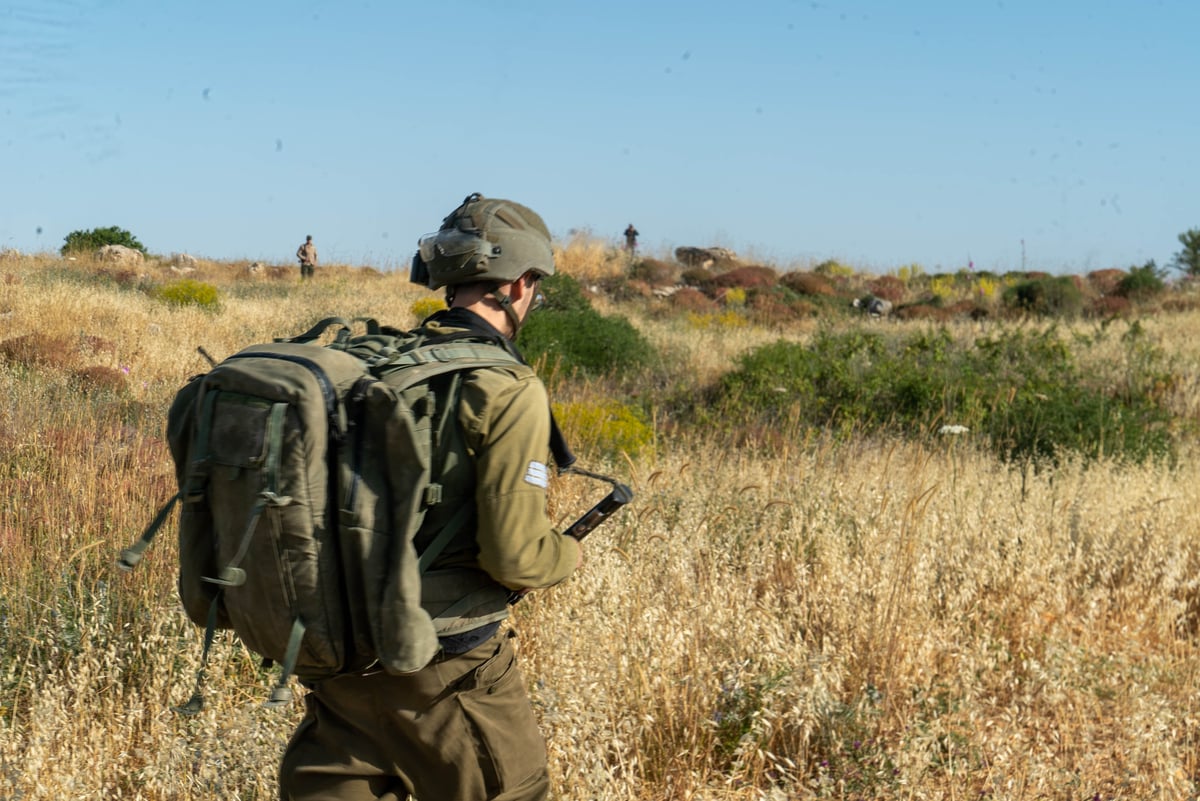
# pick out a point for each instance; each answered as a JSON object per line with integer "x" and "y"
{"x": 483, "y": 239}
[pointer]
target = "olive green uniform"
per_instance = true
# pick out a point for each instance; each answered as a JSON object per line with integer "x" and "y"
{"x": 462, "y": 727}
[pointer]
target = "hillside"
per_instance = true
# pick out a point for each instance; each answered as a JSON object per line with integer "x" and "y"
{"x": 855, "y": 605}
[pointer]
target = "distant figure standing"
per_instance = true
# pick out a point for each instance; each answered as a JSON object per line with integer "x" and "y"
{"x": 307, "y": 254}
{"x": 631, "y": 235}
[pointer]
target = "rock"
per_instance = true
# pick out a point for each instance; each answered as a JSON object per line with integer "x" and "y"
{"x": 875, "y": 307}
{"x": 119, "y": 254}
{"x": 708, "y": 258}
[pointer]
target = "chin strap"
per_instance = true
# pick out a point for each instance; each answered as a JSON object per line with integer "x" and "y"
{"x": 506, "y": 304}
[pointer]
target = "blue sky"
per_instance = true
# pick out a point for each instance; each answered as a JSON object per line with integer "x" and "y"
{"x": 1012, "y": 134}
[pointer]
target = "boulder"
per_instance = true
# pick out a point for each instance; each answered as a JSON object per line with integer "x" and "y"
{"x": 119, "y": 254}
{"x": 707, "y": 258}
{"x": 873, "y": 306}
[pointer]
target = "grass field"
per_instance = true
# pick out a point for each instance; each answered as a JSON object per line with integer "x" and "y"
{"x": 863, "y": 618}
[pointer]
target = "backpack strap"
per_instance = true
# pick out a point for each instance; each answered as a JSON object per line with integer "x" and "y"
{"x": 563, "y": 456}
{"x": 316, "y": 331}
{"x": 434, "y": 549}
{"x": 345, "y": 326}
{"x": 196, "y": 702}
{"x": 281, "y": 693}
{"x": 231, "y": 575}
{"x": 133, "y": 554}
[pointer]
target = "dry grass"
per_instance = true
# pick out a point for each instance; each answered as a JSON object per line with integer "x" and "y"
{"x": 872, "y": 620}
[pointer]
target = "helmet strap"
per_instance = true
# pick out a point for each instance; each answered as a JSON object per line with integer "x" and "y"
{"x": 506, "y": 304}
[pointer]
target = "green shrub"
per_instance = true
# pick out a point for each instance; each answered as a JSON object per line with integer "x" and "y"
{"x": 834, "y": 268}
{"x": 609, "y": 427}
{"x": 569, "y": 333}
{"x": 188, "y": 292}
{"x": 93, "y": 240}
{"x": 1048, "y": 296}
{"x": 1141, "y": 283}
{"x": 1021, "y": 393}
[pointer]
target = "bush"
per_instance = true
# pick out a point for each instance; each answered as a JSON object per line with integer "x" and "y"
{"x": 834, "y": 268}
{"x": 1046, "y": 296}
{"x": 188, "y": 292}
{"x": 93, "y": 240}
{"x": 1105, "y": 281}
{"x": 1022, "y": 392}
{"x": 692, "y": 300}
{"x": 808, "y": 284}
{"x": 568, "y": 332}
{"x": 888, "y": 287}
{"x": 609, "y": 427}
{"x": 1141, "y": 283}
{"x": 747, "y": 277}
{"x": 655, "y": 272}
{"x": 37, "y": 349}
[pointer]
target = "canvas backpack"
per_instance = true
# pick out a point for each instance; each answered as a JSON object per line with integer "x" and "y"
{"x": 305, "y": 471}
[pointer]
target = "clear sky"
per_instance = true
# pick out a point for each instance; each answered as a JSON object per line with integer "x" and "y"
{"x": 1039, "y": 134}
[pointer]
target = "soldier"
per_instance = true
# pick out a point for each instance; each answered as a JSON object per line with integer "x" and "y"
{"x": 307, "y": 254}
{"x": 631, "y": 235}
{"x": 461, "y": 728}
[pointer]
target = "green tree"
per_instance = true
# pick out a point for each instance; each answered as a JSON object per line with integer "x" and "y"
{"x": 89, "y": 241}
{"x": 1188, "y": 259}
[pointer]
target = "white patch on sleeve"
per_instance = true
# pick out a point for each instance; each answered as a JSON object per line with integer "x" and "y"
{"x": 538, "y": 475}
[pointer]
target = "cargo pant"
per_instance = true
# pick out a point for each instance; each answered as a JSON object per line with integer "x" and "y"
{"x": 460, "y": 729}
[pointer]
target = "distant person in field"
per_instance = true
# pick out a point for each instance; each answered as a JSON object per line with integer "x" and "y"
{"x": 631, "y": 235}
{"x": 307, "y": 254}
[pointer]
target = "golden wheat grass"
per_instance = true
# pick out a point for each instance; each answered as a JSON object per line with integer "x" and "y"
{"x": 870, "y": 619}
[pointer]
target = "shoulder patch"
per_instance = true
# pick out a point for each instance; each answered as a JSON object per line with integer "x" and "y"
{"x": 537, "y": 474}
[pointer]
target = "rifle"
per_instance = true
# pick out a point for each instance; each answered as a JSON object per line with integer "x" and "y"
{"x": 620, "y": 495}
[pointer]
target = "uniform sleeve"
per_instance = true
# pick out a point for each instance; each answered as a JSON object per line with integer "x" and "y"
{"x": 518, "y": 546}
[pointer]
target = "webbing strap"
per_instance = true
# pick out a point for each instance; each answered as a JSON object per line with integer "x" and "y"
{"x": 316, "y": 331}
{"x": 274, "y": 444}
{"x": 281, "y": 694}
{"x": 133, "y": 554}
{"x": 450, "y": 352}
{"x": 204, "y": 429}
{"x": 443, "y": 538}
{"x": 231, "y": 575}
{"x": 196, "y": 702}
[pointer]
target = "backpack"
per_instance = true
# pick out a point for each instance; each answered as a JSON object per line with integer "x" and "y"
{"x": 305, "y": 471}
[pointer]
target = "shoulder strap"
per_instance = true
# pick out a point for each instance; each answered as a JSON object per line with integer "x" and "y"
{"x": 345, "y": 327}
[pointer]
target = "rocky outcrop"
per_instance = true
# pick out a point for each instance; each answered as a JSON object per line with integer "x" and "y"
{"x": 707, "y": 258}
{"x": 119, "y": 254}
